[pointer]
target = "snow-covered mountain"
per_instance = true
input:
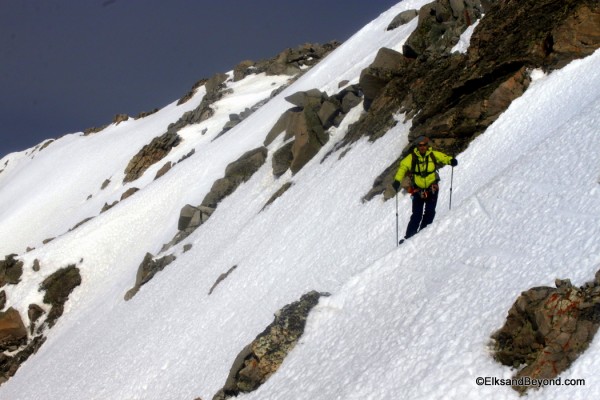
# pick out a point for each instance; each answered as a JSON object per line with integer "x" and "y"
{"x": 406, "y": 322}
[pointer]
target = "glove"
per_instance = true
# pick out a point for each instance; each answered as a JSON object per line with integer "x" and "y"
{"x": 396, "y": 186}
{"x": 454, "y": 162}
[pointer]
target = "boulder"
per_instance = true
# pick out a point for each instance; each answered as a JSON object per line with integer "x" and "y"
{"x": 13, "y": 333}
{"x": 454, "y": 97}
{"x": 375, "y": 77}
{"x": 330, "y": 109}
{"x": 282, "y": 159}
{"x": 10, "y": 270}
{"x": 307, "y": 99}
{"x": 547, "y": 329}
{"x": 192, "y": 217}
{"x": 309, "y": 137}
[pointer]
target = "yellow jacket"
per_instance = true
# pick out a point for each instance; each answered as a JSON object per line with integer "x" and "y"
{"x": 424, "y": 174}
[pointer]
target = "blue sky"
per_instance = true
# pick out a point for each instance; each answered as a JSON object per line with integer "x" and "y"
{"x": 67, "y": 65}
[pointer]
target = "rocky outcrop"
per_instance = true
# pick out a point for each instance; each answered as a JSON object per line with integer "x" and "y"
{"x": 261, "y": 358}
{"x": 144, "y": 114}
{"x": 440, "y": 25}
{"x": 9, "y": 364}
{"x": 288, "y": 62}
{"x": 150, "y": 154}
{"x": 146, "y": 271}
{"x": 403, "y": 18}
{"x": 13, "y": 333}
{"x": 214, "y": 91}
{"x": 58, "y": 287}
{"x": 548, "y": 328}
{"x": 17, "y": 342}
{"x": 10, "y": 270}
{"x": 307, "y": 124}
{"x": 454, "y": 97}
{"x": 236, "y": 173}
{"x": 120, "y": 118}
{"x": 192, "y": 217}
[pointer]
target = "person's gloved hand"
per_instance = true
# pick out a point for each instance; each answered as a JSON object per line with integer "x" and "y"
{"x": 396, "y": 186}
{"x": 454, "y": 162}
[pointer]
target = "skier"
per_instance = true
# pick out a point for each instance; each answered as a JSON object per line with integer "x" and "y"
{"x": 421, "y": 165}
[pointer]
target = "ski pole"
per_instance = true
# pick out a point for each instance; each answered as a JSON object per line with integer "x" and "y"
{"x": 451, "y": 179}
{"x": 397, "y": 238}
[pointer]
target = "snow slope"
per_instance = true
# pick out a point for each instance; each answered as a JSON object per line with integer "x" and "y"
{"x": 402, "y": 323}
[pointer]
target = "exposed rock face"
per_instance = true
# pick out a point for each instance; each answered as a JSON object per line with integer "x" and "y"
{"x": 261, "y": 358}
{"x": 58, "y": 287}
{"x": 454, "y": 97}
{"x": 288, "y": 62}
{"x": 10, "y": 270}
{"x": 12, "y": 330}
{"x": 548, "y": 328}
{"x": 120, "y": 118}
{"x": 150, "y": 154}
{"x": 440, "y": 26}
{"x": 307, "y": 124}
{"x": 214, "y": 92}
{"x": 236, "y": 173}
{"x": 282, "y": 159}
{"x": 10, "y": 364}
{"x": 146, "y": 271}
{"x": 403, "y": 18}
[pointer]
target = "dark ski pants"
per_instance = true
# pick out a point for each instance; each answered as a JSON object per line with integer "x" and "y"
{"x": 423, "y": 212}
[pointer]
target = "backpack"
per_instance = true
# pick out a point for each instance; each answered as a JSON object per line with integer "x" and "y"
{"x": 408, "y": 182}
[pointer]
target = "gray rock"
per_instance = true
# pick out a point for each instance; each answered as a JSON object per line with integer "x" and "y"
{"x": 58, "y": 288}
{"x": 403, "y": 18}
{"x": 261, "y": 358}
{"x": 147, "y": 270}
{"x": 12, "y": 330}
{"x": 282, "y": 159}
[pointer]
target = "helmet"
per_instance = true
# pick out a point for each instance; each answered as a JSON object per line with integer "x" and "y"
{"x": 422, "y": 139}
